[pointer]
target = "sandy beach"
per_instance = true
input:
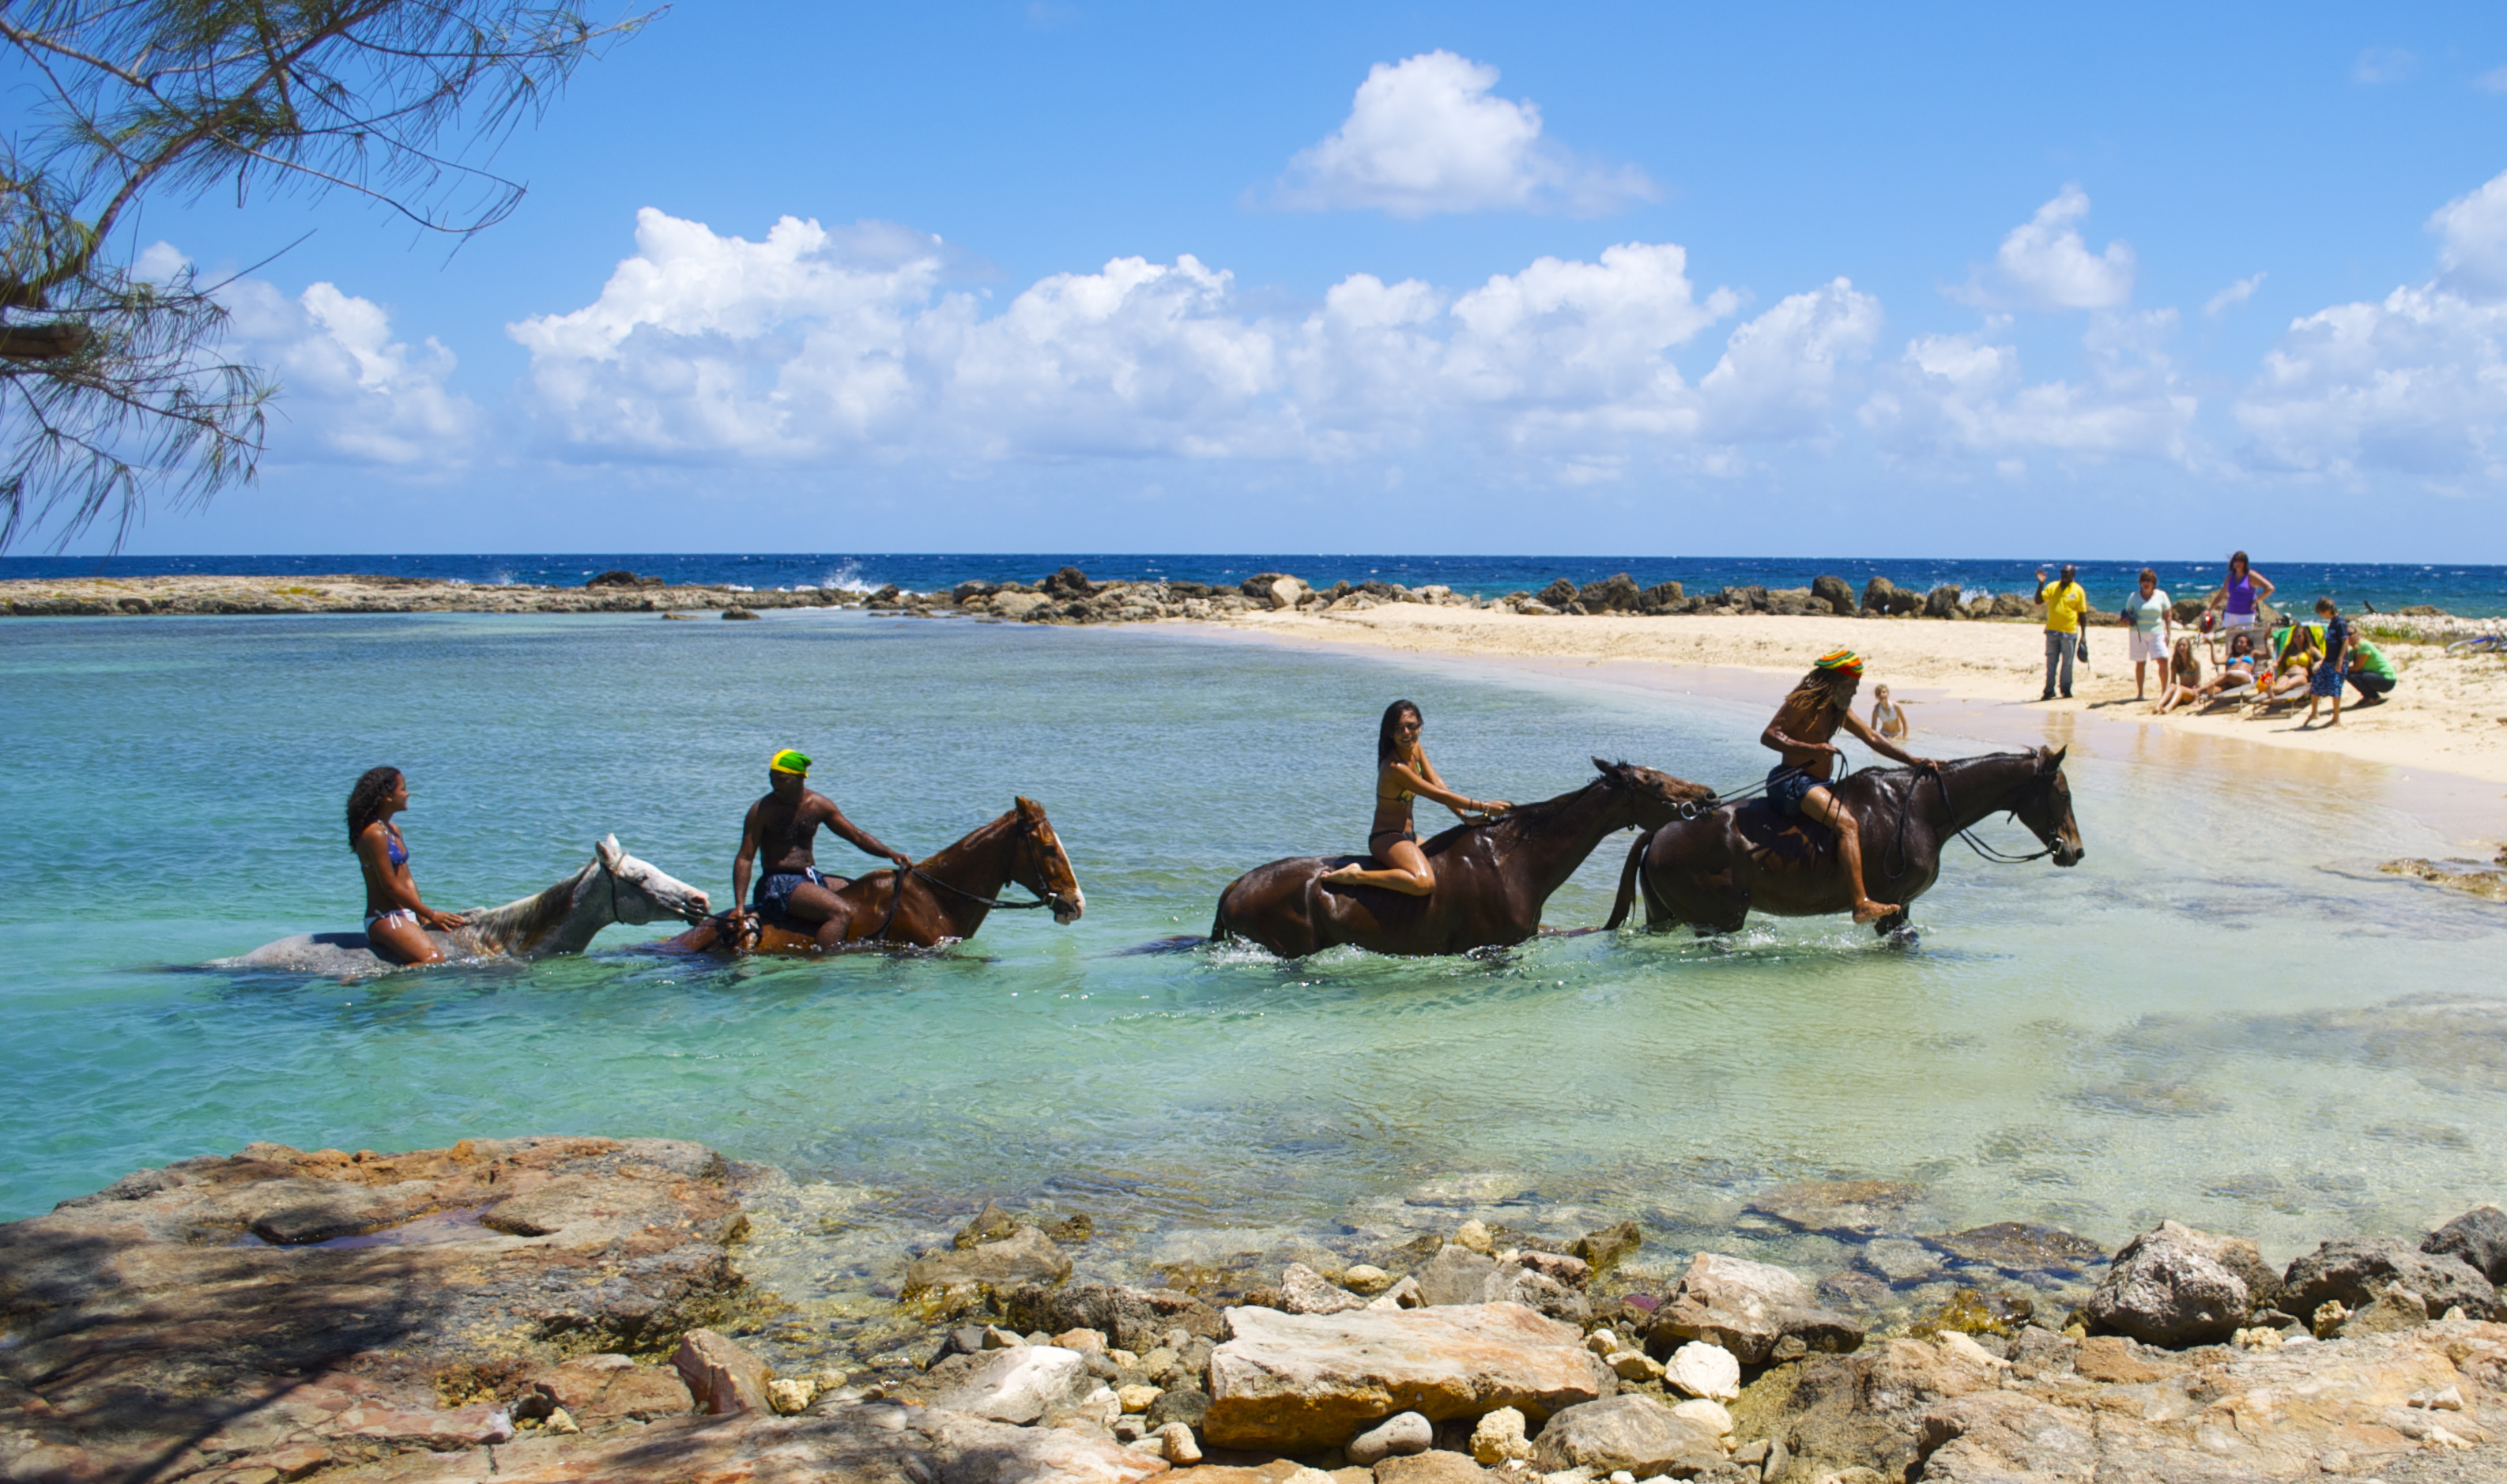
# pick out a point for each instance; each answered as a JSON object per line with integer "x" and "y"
{"x": 2447, "y": 714}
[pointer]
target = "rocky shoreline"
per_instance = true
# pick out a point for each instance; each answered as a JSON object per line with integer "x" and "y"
{"x": 567, "y": 1308}
{"x": 1067, "y": 596}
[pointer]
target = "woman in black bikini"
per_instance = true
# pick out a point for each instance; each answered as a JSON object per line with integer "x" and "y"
{"x": 396, "y": 921}
{"x": 1403, "y": 772}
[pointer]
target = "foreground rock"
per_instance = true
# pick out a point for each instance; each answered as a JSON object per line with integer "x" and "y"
{"x": 1748, "y": 1308}
{"x": 158, "y": 1330}
{"x": 1301, "y": 1382}
{"x": 853, "y": 1444}
{"x": 2179, "y": 1287}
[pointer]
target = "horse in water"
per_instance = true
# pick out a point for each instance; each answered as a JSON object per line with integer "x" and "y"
{"x": 944, "y": 898}
{"x": 1492, "y": 876}
{"x": 614, "y": 886}
{"x": 1710, "y": 870}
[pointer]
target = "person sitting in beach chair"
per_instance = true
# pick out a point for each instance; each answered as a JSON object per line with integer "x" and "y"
{"x": 2237, "y": 673}
{"x": 2182, "y": 685}
{"x": 2298, "y": 648}
{"x": 1798, "y": 785}
{"x": 779, "y": 828}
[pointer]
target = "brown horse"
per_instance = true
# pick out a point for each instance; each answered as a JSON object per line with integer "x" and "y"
{"x": 944, "y": 898}
{"x": 1492, "y": 878}
{"x": 1710, "y": 870}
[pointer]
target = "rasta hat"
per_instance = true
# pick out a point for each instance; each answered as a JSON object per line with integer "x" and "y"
{"x": 790, "y": 761}
{"x": 1841, "y": 661}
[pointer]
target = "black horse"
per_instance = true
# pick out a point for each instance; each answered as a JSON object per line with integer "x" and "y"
{"x": 1710, "y": 870}
{"x": 1492, "y": 877}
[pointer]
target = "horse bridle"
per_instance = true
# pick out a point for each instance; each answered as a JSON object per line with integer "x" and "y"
{"x": 1027, "y": 833}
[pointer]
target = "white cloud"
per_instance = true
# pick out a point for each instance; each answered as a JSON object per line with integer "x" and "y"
{"x": 2383, "y": 64}
{"x": 1951, "y": 395}
{"x": 814, "y": 344}
{"x": 159, "y": 263}
{"x": 2492, "y": 81}
{"x": 2232, "y": 296}
{"x": 2472, "y": 240}
{"x": 1425, "y": 136}
{"x": 2044, "y": 263}
{"x": 348, "y": 388}
{"x": 2413, "y": 384}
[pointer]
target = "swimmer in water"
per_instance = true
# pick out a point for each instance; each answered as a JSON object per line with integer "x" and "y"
{"x": 1889, "y": 717}
{"x": 396, "y": 921}
{"x": 1403, "y": 772}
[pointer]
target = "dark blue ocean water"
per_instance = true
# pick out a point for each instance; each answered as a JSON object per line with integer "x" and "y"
{"x": 2473, "y": 590}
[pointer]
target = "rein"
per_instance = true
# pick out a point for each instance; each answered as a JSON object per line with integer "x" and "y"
{"x": 1941, "y": 780}
{"x": 1025, "y": 832}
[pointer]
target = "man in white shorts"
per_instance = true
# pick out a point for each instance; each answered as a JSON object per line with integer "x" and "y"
{"x": 2149, "y": 629}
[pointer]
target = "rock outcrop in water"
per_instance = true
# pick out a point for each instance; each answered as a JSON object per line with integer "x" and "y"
{"x": 566, "y": 1309}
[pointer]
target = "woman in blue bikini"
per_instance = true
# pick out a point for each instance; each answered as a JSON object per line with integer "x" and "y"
{"x": 396, "y": 921}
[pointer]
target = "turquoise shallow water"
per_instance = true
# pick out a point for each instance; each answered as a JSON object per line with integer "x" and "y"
{"x": 2223, "y": 1016}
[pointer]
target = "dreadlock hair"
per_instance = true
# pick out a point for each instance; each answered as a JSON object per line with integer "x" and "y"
{"x": 1832, "y": 687}
{"x": 1387, "y": 746}
{"x": 366, "y": 799}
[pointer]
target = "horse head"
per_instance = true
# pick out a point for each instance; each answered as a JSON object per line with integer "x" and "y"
{"x": 640, "y": 892}
{"x": 1042, "y": 867}
{"x": 1658, "y": 797}
{"x": 2045, "y": 806}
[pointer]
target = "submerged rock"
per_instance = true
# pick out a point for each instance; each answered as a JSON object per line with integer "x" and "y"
{"x": 1841, "y": 1208}
{"x": 1026, "y": 1255}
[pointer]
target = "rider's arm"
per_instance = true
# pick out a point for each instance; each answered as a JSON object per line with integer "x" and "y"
{"x": 1429, "y": 786}
{"x": 739, "y": 861}
{"x": 861, "y": 838}
{"x": 399, "y": 888}
{"x": 1881, "y": 744}
{"x": 1776, "y": 738}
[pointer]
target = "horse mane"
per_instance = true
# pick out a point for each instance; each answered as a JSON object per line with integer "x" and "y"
{"x": 524, "y": 917}
{"x": 1521, "y": 814}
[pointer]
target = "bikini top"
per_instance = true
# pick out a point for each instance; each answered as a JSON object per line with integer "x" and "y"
{"x": 397, "y": 852}
{"x": 1403, "y": 796}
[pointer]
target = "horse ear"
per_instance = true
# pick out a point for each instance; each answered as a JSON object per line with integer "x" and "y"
{"x": 1029, "y": 808}
{"x": 1615, "y": 770}
{"x": 609, "y": 851}
{"x": 2054, "y": 761}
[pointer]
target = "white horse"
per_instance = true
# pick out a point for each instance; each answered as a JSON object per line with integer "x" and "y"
{"x": 614, "y": 886}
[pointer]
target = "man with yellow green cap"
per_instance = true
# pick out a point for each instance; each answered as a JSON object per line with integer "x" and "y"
{"x": 779, "y": 828}
{"x": 1812, "y": 712}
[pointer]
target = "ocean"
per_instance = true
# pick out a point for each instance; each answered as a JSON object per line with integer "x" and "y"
{"x": 2224, "y": 1016}
{"x": 2469, "y": 590}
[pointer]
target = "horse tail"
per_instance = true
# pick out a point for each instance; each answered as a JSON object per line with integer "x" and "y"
{"x": 1629, "y": 882}
{"x": 1218, "y": 932}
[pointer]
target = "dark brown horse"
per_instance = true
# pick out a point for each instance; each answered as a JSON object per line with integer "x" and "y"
{"x": 945, "y": 897}
{"x": 1709, "y": 872}
{"x": 1492, "y": 878}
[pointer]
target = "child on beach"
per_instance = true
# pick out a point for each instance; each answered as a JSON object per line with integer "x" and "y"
{"x": 2330, "y": 670}
{"x": 1889, "y": 717}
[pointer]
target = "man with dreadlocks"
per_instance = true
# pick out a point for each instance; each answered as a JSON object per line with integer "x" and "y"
{"x": 1821, "y": 704}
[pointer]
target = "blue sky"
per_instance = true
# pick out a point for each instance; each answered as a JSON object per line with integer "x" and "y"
{"x": 2131, "y": 281}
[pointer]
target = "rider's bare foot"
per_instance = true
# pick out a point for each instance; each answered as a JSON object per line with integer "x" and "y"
{"x": 1869, "y": 911}
{"x": 1336, "y": 875}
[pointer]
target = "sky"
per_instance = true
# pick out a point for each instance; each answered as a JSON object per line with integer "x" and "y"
{"x": 2116, "y": 282}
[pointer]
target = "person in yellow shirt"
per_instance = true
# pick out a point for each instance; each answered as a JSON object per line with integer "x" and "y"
{"x": 2064, "y": 603}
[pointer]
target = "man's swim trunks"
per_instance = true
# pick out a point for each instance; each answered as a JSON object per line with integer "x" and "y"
{"x": 1787, "y": 786}
{"x": 773, "y": 894}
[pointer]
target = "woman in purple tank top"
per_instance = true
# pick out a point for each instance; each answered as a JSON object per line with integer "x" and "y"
{"x": 2240, "y": 594}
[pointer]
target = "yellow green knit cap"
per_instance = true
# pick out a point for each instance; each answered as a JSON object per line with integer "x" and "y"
{"x": 790, "y": 761}
{"x": 1846, "y": 660}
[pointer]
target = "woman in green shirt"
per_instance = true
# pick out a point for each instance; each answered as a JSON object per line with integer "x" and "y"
{"x": 2149, "y": 629}
{"x": 2370, "y": 670}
